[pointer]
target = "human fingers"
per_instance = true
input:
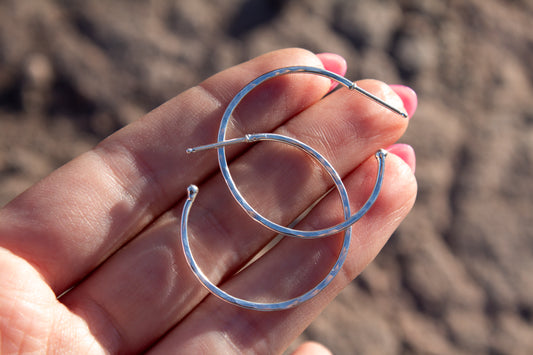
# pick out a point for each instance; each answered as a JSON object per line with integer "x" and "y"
{"x": 146, "y": 288}
{"x": 292, "y": 267}
{"x": 74, "y": 219}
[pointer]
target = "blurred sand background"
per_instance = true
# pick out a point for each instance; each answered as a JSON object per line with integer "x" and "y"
{"x": 457, "y": 277}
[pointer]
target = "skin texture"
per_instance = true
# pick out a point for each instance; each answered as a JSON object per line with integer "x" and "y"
{"x": 105, "y": 227}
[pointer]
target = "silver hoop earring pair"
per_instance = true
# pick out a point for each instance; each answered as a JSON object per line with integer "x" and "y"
{"x": 345, "y": 226}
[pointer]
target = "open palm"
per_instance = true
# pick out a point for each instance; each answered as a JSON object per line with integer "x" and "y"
{"x": 90, "y": 258}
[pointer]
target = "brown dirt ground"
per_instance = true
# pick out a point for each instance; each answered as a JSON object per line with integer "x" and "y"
{"x": 457, "y": 276}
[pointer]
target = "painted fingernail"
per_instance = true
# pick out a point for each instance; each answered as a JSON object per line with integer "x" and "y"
{"x": 334, "y": 63}
{"x": 404, "y": 152}
{"x": 408, "y": 96}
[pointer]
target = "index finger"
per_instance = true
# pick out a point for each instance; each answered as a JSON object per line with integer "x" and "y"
{"x": 75, "y": 218}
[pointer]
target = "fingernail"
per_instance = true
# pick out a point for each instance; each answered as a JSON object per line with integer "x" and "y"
{"x": 404, "y": 152}
{"x": 334, "y": 63}
{"x": 408, "y": 96}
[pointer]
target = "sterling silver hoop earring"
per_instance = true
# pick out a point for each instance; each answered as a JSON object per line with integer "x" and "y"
{"x": 193, "y": 191}
{"x": 345, "y": 226}
{"x": 223, "y": 163}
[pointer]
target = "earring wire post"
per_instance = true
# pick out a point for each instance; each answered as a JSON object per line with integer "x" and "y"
{"x": 377, "y": 100}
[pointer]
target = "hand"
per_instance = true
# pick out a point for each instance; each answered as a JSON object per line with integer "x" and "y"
{"x": 90, "y": 257}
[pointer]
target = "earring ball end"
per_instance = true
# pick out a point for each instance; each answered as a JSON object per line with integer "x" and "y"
{"x": 192, "y": 191}
{"x": 382, "y": 153}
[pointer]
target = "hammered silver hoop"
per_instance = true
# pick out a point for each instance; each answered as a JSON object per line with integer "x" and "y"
{"x": 226, "y": 174}
{"x": 345, "y": 226}
{"x": 217, "y": 291}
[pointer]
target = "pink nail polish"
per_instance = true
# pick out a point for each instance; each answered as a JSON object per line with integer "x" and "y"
{"x": 408, "y": 96}
{"x": 404, "y": 152}
{"x": 334, "y": 63}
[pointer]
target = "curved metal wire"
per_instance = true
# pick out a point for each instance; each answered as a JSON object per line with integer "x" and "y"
{"x": 217, "y": 291}
{"x": 345, "y": 226}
